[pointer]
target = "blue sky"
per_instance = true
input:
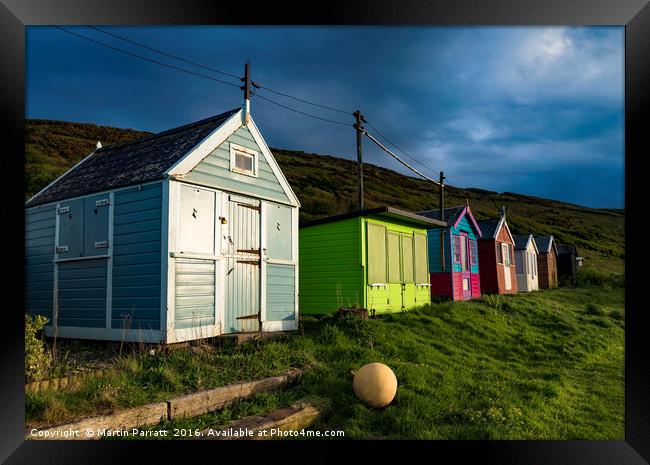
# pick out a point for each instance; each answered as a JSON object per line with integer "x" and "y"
{"x": 534, "y": 110}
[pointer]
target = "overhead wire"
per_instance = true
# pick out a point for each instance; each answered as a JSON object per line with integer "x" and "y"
{"x": 388, "y": 151}
{"x": 402, "y": 151}
{"x": 131, "y": 41}
{"x": 147, "y": 59}
{"x": 255, "y": 86}
{"x": 303, "y": 100}
{"x": 209, "y": 68}
{"x": 301, "y": 112}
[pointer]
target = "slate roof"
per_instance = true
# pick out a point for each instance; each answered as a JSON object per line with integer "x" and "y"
{"x": 563, "y": 249}
{"x": 451, "y": 214}
{"x": 489, "y": 227}
{"x": 389, "y": 212}
{"x": 521, "y": 241}
{"x": 544, "y": 243}
{"x": 140, "y": 160}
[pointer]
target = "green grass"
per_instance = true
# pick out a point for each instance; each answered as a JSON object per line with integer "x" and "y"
{"x": 139, "y": 378}
{"x": 546, "y": 365}
{"x": 541, "y": 367}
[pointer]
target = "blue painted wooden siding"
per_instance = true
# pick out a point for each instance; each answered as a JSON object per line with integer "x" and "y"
{"x": 466, "y": 226}
{"x": 82, "y": 226}
{"x": 279, "y": 232}
{"x": 82, "y": 293}
{"x": 195, "y": 293}
{"x": 433, "y": 239}
{"x": 136, "y": 257}
{"x": 214, "y": 171}
{"x": 280, "y": 292}
{"x": 40, "y": 226}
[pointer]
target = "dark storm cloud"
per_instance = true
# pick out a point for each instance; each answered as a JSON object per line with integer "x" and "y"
{"x": 530, "y": 110}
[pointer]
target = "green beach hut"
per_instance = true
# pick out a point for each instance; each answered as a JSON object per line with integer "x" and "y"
{"x": 374, "y": 259}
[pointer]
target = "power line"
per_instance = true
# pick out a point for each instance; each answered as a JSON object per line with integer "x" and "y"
{"x": 216, "y": 70}
{"x": 165, "y": 53}
{"x": 302, "y": 100}
{"x": 147, "y": 59}
{"x": 254, "y": 84}
{"x": 402, "y": 151}
{"x": 398, "y": 158}
{"x": 301, "y": 112}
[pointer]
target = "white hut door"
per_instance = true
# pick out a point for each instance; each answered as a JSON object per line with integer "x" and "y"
{"x": 242, "y": 257}
{"x": 505, "y": 253}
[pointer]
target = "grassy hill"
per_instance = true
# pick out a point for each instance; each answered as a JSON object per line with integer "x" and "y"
{"x": 327, "y": 185}
{"x": 545, "y": 365}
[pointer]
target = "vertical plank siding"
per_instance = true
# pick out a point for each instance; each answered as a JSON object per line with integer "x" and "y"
{"x": 491, "y": 271}
{"x": 441, "y": 284}
{"x": 242, "y": 280}
{"x": 40, "y": 225}
{"x": 492, "y": 276}
{"x": 137, "y": 239}
{"x": 410, "y": 256}
{"x": 547, "y": 267}
{"x": 450, "y": 282}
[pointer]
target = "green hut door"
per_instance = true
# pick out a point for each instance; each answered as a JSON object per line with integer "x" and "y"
{"x": 408, "y": 278}
{"x": 392, "y": 268}
{"x": 394, "y": 272}
{"x": 242, "y": 260}
{"x": 400, "y": 271}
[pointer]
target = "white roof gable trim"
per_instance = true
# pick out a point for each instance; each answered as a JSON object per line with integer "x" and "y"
{"x": 270, "y": 159}
{"x": 219, "y": 136}
{"x": 206, "y": 146}
{"x": 502, "y": 223}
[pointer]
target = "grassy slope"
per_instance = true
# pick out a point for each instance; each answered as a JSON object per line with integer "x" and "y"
{"x": 52, "y": 147}
{"x": 547, "y": 365}
{"x": 327, "y": 185}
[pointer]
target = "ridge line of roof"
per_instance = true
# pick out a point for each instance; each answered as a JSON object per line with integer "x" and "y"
{"x": 167, "y": 132}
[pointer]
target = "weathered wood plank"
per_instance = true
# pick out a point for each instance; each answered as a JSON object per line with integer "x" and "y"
{"x": 203, "y": 402}
{"x": 184, "y": 406}
{"x": 124, "y": 420}
{"x": 299, "y": 416}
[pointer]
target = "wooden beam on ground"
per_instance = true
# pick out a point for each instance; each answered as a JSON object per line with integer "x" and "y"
{"x": 203, "y": 402}
{"x": 95, "y": 427}
{"x": 188, "y": 405}
{"x": 270, "y": 426}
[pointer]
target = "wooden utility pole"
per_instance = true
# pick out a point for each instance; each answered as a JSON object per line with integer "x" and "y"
{"x": 442, "y": 218}
{"x": 247, "y": 90}
{"x": 357, "y": 125}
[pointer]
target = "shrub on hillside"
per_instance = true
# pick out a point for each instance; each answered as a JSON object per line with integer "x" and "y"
{"x": 37, "y": 358}
{"x": 592, "y": 277}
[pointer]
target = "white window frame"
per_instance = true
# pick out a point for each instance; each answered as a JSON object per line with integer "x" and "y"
{"x": 234, "y": 149}
{"x": 505, "y": 254}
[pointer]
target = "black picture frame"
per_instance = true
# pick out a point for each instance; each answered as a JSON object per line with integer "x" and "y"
{"x": 633, "y": 14}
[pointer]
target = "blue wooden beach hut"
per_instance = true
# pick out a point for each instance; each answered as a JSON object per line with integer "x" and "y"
{"x": 185, "y": 234}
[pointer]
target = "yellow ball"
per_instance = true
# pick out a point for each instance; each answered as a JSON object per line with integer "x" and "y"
{"x": 375, "y": 384}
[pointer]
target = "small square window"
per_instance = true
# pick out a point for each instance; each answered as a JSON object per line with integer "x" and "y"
{"x": 243, "y": 160}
